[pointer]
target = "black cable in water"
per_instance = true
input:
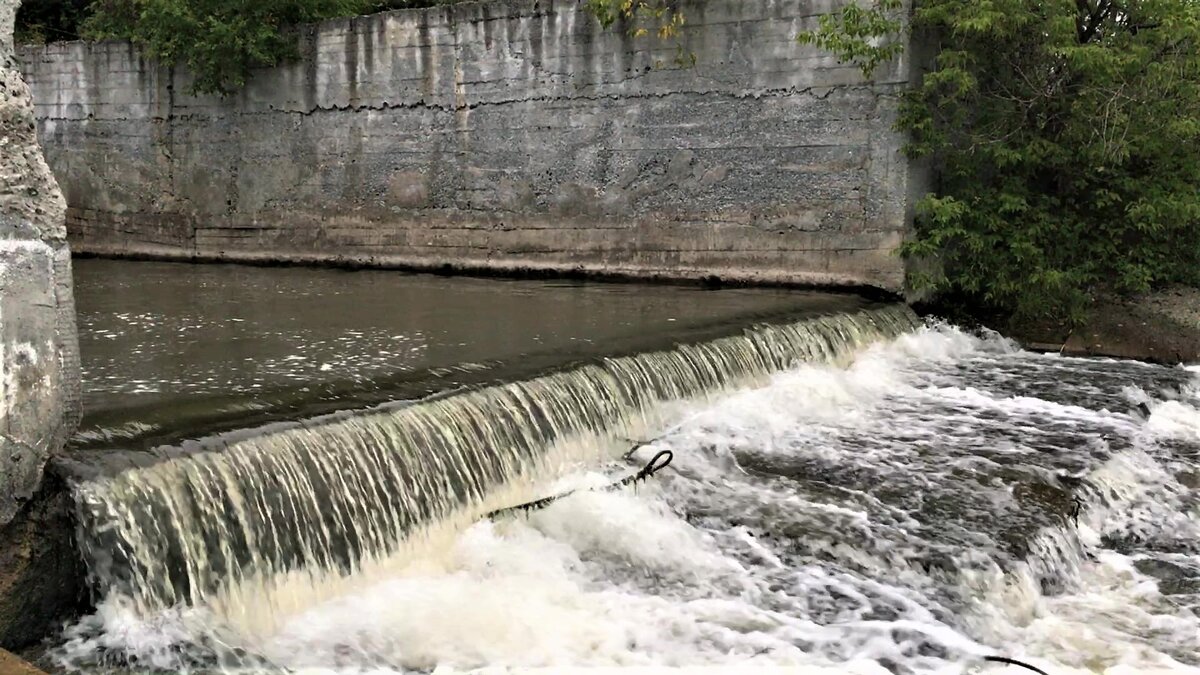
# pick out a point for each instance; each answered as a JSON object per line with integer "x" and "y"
{"x": 1014, "y": 662}
{"x": 654, "y": 466}
{"x": 651, "y": 468}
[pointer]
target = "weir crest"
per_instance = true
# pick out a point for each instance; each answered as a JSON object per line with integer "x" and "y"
{"x": 334, "y": 498}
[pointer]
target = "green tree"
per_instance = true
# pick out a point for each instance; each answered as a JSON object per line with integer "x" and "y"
{"x": 218, "y": 40}
{"x": 1064, "y": 135}
{"x": 40, "y": 21}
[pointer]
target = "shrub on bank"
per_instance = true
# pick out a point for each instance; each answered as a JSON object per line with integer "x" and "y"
{"x": 1064, "y": 138}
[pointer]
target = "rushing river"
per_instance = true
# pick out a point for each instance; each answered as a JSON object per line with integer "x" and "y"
{"x": 893, "y": 504}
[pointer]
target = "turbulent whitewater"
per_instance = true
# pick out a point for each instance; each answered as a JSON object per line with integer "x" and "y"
{"x": 937, "y": 497}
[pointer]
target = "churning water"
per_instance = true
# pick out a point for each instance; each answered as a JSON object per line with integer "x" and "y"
{"x": 938, "y": 497}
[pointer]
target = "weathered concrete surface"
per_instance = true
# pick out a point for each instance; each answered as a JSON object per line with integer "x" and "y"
{"x": 39, "y": 380}
{"x": 510, "y": 135}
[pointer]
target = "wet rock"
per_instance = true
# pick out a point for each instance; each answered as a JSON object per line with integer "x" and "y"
{"x": 1172, "y": 579}
{"x": 39, "y": 366}
{"x": 41, "y": 573}
{"x": 1049, "y": 499}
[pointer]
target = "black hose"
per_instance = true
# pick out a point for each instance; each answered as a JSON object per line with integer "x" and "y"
{"x": 651, "y": 468}
{"x": 1014, "y": 662}
{"x": 654, "y": 466}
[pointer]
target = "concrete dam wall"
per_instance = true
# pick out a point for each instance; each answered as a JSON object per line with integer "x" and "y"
{"x": 514, "y": 135}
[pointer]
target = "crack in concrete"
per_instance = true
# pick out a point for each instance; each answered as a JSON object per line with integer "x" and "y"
{"x": 819, "y": 93}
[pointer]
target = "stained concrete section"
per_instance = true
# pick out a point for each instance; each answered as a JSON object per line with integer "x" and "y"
{"x": 507, "y": 135}
{"x": 39, "y": 365}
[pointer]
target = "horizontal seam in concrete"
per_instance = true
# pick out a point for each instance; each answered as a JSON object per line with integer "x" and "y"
{"x": 785, "y": 92}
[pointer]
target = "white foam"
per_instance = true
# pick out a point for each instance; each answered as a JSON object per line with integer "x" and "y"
{"x": 1176, "y": 419}
{"x": 624, "y": 582}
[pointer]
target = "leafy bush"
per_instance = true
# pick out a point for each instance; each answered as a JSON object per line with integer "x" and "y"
{"x": 1064, "y": 135}
{"x": 218, "y": 40}
{"x": 661, "y": 19}
{"x": 40, "y": 21}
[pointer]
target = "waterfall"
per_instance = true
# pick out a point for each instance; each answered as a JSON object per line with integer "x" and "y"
{"x": 330, "y": 498}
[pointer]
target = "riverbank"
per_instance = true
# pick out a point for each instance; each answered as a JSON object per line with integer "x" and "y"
{"x": 11, "y": 664}
{"x": 1161, "y": 327}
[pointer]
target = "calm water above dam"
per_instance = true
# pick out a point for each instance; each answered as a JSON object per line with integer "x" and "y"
{"x": 172, "y": 349}
{"x": 852, "y": 492}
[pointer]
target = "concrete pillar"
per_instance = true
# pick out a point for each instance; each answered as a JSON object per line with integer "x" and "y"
{"x": 39, "y": 362}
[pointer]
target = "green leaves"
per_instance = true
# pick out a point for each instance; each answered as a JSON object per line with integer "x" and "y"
{"x": 661, "y": 19}
{"x": 41, "y": 21}
{"x": 219, "y": 41}
{"x": 1064, "y": 134}
{"x": 865, "y": 36}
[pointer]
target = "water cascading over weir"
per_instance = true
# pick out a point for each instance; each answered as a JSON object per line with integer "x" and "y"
{"x": 331, "y": 498}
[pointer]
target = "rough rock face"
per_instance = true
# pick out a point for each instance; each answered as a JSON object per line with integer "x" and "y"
{"x": 41, "y": 573}
{"x": 39, "y": 364}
